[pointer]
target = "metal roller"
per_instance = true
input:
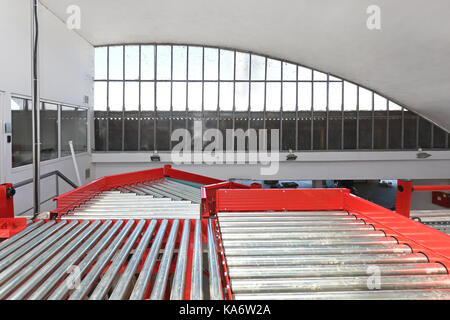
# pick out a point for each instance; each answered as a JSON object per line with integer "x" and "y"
{"x": 62, "y": 290}
{"x": 140, "y": 288}
{"x": 26, "y": 240}
{"x": 283, "y": 218}
{"x": 153, "y": 190}
{"x": 334, "y": 270}
{"x": 319, "y": 250}
{"x": 325, "y": 259}
{"x": 105, "y": 283}
{"x": 178, "y": 189}
{"x": 159, "y": 287}
{"x": 177, "y": 194}
{"x": 167, "y": 215}
{"x": 181, "y": 185}
{"x": 49, "y": 266}
{"x": 87, "y": 282}
{"x": 56, "y": 276}
{"x": 177, "y": 292}
{"x": 340, "y": 284}
{"x": 125, "y": 279}
{"x": 282, "y": 214}
{"x": 20, "y": 235}
{"x": 14, "y": 262}
{"x": 25, "y": 270}
{"x": 287, "y": 229}
{"x": 197, "y": 272}
{"x": 352, "y": 295}
{"x": 301, "y": 235}
{"x": 215, "y": 287}
{"x": 269, "y": 224}
{"x": 349, "y": 241}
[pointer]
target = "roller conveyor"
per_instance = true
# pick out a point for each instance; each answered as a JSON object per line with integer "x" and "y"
{"x": 149, "y": 235}
{"x": 107, "y": 259}
{"x": 141, "y": 201}
{"x": 322, "y": 255}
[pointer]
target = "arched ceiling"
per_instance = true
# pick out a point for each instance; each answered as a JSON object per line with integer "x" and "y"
{"x": 408, "y": 60}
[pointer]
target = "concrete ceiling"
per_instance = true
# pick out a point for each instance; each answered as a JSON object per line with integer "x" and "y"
{"x": 408, "y": 60}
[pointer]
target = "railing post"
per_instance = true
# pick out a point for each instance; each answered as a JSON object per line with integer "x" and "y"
{"x": 403, "y": 202}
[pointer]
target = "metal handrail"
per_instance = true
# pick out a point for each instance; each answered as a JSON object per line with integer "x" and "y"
{"x": 56, "y": 173}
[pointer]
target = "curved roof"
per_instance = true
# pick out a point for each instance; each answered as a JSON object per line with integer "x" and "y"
{"x": 408, "y": 60}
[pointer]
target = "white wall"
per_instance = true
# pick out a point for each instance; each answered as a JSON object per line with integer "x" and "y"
{"x": 308, "y": 166}
{"x": 66, "y": 64}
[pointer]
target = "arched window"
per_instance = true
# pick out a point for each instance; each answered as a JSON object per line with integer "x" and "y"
{"x": 144, "y": 92}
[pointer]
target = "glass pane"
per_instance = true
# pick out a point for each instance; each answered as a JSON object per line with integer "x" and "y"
{"x": 350, "y": 96}
{"x": 257, "y": 97}
{"x": 410, "y": 133}
{"x": 100, "y": 124}
{"x": 226, "y": 65}
{"x": 304, "y": 131}
{"x": 439, "y": 138}
{"x": 195, "y": 63}
{"x": 116, "y": 63}
{"x": 21, "y": 132}
{"x": 365, "y": 129}
{"x": 424, "y": 133}
{"x": 164, "y": 67}
{"x": 73, "y": 128}
{"x": 289, "y": 96}
{"x": 320, "y": 130}
{"x": 242, "y": 66}
{"x": 163, "y": 134}
{"x": 365, "y": 99}
{"x": 147, "y": 133}
{"x": 131, "y": 62}
{"x": 273, "y": 96}
{"x": 131, "y": 132}
{"x": 226, "y": 96}
{"x": 195, "y": 97}
{"x": 115, "y": 96}
{"x": 147, "y": 96}
{"x": 211, "y": 96}
{"x": 380, "y": 103}
{"x": 179, "y": 62}
{"x": 131, "y": 96}
{"x": 380, "y": 128}
{"x": 289, "y": 132}
{"x": 395, "y": 126}
{"x": 320, "y": 76}
{"x": 101, "y": 63}
{"x": 289, "y": 72}
{"x": 242, "y": 96}
{"x": 211, "y": 64}
{"x": 304, "y": 74}
{"x": 334, "y": 130}
{"x": 147, "y": 62}
{"x": 179, "y": 96}
{"x": 320, "y": 96}
{"x": 304, "y": 96}
{"x": 273, "y": 69}
{"x": 100, "y": 94}
{"x": 162, "y": 96}
{"x": 115, "y": 132}
{"x": 258, "y": 67}
{"x": 335, "y": 96}
{"x": 49, "y": 131}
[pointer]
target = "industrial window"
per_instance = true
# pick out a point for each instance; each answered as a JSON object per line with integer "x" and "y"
{"x": 144, "y": 92}
{"x": 73, "y": 126}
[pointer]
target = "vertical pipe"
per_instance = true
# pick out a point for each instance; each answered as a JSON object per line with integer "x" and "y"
{"x": 35, "y": 99}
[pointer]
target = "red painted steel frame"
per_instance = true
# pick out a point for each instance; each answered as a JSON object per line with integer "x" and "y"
{"x": 78, "y": 196}
{"x": 208, "y": 196}
{"x": 404, "y": 191}
{"x": 433, "y": 243}
{"x": 9, "y": 225}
